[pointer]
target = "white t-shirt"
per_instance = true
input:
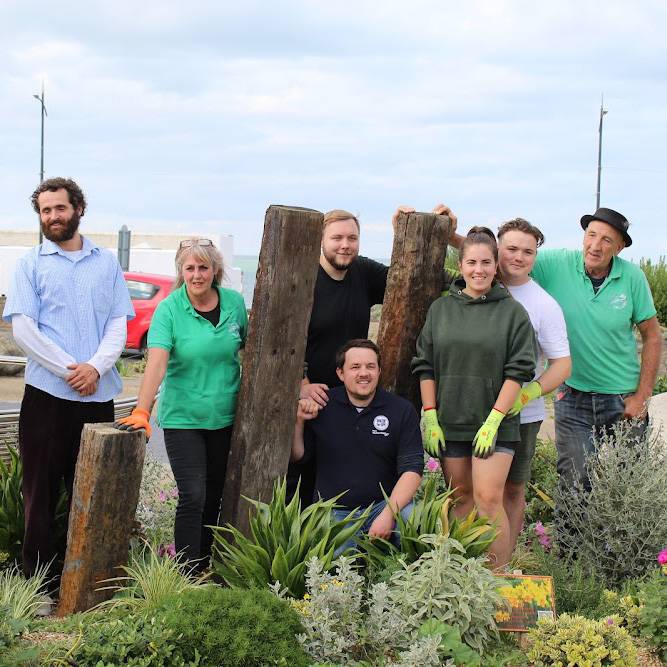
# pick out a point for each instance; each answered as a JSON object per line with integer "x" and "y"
{"x": 549, "y": 324}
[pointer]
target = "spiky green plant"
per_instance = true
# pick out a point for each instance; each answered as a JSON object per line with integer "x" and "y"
{"x": 12, "y": 515}
{"x": 431, "y": 515}
{"x": 149, "y": 579}
{"x": 20, "y": 596}
{"x": 283, "y": 538}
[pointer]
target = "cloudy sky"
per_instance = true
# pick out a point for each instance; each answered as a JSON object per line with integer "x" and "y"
{"x": 196, "y": 116}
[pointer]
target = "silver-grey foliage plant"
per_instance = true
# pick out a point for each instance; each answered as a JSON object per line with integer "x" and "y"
{"x": 445, "y": 585}
{"x": 617, "y": 528}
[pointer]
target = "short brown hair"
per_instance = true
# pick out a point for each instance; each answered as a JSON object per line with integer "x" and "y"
{"x": 337, "y": 215}
{"x": 356, "y": 342}
{"x": 74, "y": 192}
{"x": 521, "y": 225}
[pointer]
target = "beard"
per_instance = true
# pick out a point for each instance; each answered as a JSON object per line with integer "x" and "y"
{"x": 331, "y": 258}
{"x": 65, "y": 233}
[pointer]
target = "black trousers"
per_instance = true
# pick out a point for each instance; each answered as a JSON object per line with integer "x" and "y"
{"x": 49, "y": 438}
{"x": 198, "y": 459}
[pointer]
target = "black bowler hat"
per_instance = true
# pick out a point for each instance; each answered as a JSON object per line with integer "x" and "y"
{"x": 613, "y": 218}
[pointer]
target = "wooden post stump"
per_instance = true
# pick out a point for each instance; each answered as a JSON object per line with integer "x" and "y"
{"x": 414, "y": 282}
{"x": 104, "y": 503}
{"x": 272, "y": 359}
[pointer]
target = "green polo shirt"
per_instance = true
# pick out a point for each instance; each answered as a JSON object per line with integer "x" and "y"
{"x": 599, "y": 326}
{"x": 203, "y": 374}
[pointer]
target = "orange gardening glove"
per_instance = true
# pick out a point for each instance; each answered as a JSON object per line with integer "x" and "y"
{"x": 138, "y": 419}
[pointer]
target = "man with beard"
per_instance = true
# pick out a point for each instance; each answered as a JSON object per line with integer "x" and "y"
{"x": 68, "y": 307}
{"x": 347, "y": 286}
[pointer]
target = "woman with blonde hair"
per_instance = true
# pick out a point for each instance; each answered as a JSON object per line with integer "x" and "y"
{"x": 193, "y": 345}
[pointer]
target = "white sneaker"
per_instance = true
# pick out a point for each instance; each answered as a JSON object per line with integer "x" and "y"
{"x": 46, "y": 606}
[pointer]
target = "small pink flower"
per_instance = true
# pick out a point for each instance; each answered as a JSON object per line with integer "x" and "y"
{"x": 432, "y": 465}
{"x": 543, "y": 536}
{"x": 610, "y": 621}
{"x": 167, "y": 550}
{"x": 162, "y": 497}
{"x": 662, "y": 557}
{"x": 174, "y": 493}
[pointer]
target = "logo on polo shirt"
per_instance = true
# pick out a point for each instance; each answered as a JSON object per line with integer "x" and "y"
{"x": 619, "y": 302}
{"x": 234, "y": 329}
{"x": 381, "y": 424}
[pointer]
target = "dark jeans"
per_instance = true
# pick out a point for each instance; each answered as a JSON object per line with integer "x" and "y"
{"x": 198, "y": 458}
{"x": 49, "y": 439}
{"x": 581, "y": 418}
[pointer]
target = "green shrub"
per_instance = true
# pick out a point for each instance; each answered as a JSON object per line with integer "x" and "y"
{"x": 156, "y": 509}
{"x": 235, "y": 628}
{"x": 20, "y": 597}
{"x": 133, "y": 640}
{"x": 656, "y": 274}
{"x": 575, "y": 640}
{"x": 11, "y": 509}
{"x": 543, "y": 482}
{"x": 346, "y": 623}
{"x": 616, "y": 529}
{"x": 624, "y": 606}
{"x": 283, "y": 539}
{"x": 653, "y": 615}
{"x": 10, "y": 627}
{"x": 577, "y": 589}
{"x": 445, "y": 585}
{"x": 660, "y": 386}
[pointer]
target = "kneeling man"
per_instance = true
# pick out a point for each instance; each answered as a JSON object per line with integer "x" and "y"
{"x": 367, "y": 440}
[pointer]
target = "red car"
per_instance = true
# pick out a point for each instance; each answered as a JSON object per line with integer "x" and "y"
{"x": 146, "y": 291}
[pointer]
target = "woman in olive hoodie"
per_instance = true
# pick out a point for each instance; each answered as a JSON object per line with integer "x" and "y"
{"x": 474, "y": 353}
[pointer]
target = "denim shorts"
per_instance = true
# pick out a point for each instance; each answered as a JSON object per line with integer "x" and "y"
{"x": 459, "y": 449}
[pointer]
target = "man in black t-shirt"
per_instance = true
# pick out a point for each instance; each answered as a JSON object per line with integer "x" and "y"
{"x": 366, "y": 441}
{"x": 346, "y": 288}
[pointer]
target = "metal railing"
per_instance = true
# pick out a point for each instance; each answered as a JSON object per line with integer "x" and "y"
{"x": 9, "y": 418}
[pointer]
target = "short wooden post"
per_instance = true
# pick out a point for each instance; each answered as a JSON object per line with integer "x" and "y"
{"x": 414, "y": 282}
{"x": 272, "y": 359}
{"x": 104, "y": 502}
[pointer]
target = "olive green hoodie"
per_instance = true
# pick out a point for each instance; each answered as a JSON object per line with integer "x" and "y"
{"x": 470, "y": 347}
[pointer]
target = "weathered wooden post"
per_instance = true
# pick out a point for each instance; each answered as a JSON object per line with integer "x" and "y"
{"x": 414, "y": 282}
{"x": 104, "y": 502}
{"x": 272, "y": 359}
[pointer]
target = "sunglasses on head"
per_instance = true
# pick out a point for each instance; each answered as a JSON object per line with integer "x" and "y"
{"x": 188, "y": 243}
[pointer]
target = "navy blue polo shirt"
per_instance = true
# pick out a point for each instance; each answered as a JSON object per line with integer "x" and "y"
{"x": 363, "y": 452}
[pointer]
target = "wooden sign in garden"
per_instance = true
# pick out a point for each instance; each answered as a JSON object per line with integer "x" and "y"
{"x": 528, "y": 599}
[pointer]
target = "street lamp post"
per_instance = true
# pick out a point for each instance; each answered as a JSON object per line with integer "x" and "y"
{"x": 603, "y": 111}
{"x": 41, "y": 160}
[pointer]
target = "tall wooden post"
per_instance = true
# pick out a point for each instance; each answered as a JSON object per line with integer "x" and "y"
{"x": 272, "y": 359}
{"x": 414, "y": 282}
{"x": 104, "y": 502}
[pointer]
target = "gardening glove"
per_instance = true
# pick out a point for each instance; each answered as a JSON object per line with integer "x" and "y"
{"x": 528, "y": 393}
{"x": 484, "y": 442}
{"x": 138, "y": 419}
{"x": 433, "y": 436}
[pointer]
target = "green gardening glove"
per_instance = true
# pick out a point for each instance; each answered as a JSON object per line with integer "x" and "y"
{"x": 484, "y": 442}
{"x": 433, "y": 436}
{"x": 529, "y": 392}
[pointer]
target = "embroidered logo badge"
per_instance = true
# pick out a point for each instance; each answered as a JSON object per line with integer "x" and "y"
{"x": 234, "y": 329}
{"x": 619, "y": 302}
{"x": 381, "y": 423}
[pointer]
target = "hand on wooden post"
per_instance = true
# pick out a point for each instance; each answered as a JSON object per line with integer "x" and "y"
{"x": 138, "y": 419}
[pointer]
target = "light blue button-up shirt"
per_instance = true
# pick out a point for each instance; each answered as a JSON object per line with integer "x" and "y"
{"x": 72, "y": 299}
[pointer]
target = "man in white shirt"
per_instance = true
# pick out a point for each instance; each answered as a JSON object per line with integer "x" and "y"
{"x": 69, "y": 307}
{"x": 518, "y": 241}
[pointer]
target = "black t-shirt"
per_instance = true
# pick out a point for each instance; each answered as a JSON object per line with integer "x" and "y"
{"x": 213, "y": 316}
{"x": 363, "y": 452}
{"x": 341, "y": 311}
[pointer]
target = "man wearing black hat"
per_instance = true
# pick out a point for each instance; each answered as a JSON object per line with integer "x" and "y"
{"x": 602, "y": 297}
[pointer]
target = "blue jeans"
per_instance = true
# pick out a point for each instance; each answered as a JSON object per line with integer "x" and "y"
{"x": 581, "y": 418}
{"x": 376, "y": 509}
